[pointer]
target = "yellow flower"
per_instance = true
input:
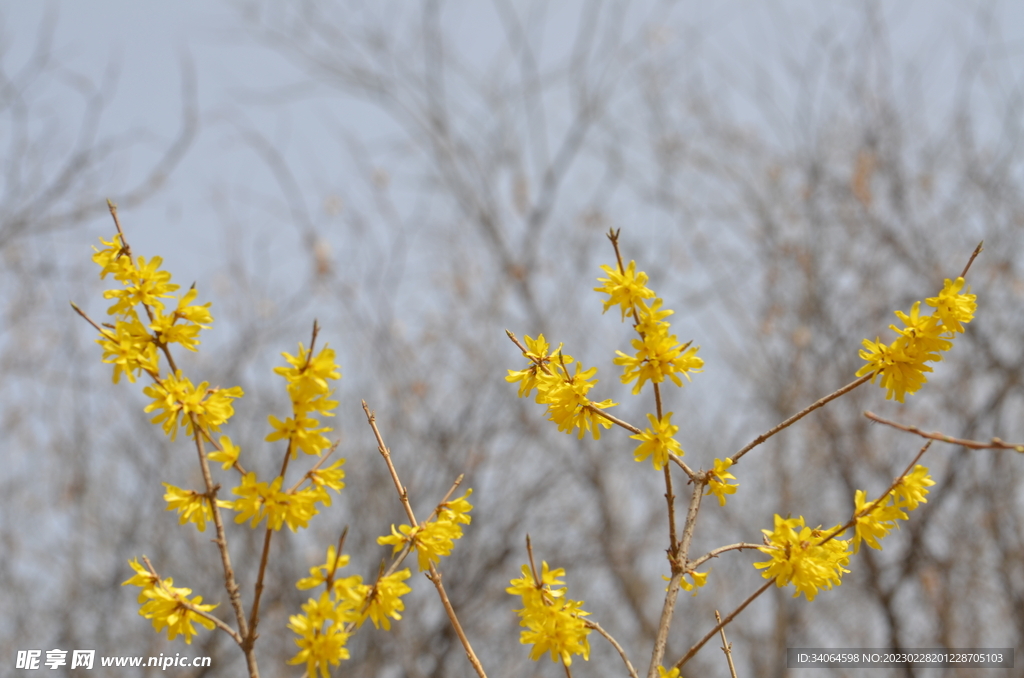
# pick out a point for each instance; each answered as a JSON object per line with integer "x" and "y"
{"x": 658, "y": 441}
{"x": 307, "y": 379}
{"x": 383, "y": 600}
{"x": 902, "y": 371}
{"x": 112, "y": 258}
{"x": 953, "y": 307}
{"x": 322, "y": 637}
{"x": 321, "y": 574}
{"x": 195, "y": 318}
{"x": 144, "y": 284}
{"x": 143, "y": 578}
{"x": 168, "y": 606}
{"x": 540, "y": 359}
{"x": 431, "y": 541}
{"x": 798, "y": 556}
{"x": 227, "y": 455}
{"x": 175, "y": 395}
{"x": 259, "y": 500}
{"x": 252, "y": 499}
{"x": 902, "y": 363}
{"x": 912, "y": 488}
{"x": 130, "y": 349}
{"x": 699, "y": 579}
{"x": 658, "y": 354}
{"x": 718, "y": 483}
{"x": 568, "y": 406}
{"x": 457, "y": 510}
{"x": 625, "y": 288}
{"x": 554, "y": 623}
{"x": 662, "y": 673}
{"x": 329, "y": 477}
{"x": 875, "y": 524}
{"x": 192, "y": 506}
{"x": 302, "y": 432}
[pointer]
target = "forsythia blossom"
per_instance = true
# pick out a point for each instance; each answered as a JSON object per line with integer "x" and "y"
{"x": 175, "y": 395}
{"x": 699, "y": 579}
{"x": 192, "y": 506}
{"x": 540, "y": 359}
{"x": 718, "y": 480}
{"x": 227, "y": 455}
{"x": 564, "y": 392}
{"x": 168, "y": 606}
{"x": 310, "y": 394}
{"x": 434, "y": 538}
{"x": 554, "y": 623}
{"x": 874, "y": 520}
{"x": 903, "y": 363}
{"x": 658, "y": 353}
{"x": 797, "y": 555}
{"x": 383, "y": 600}
{"x": 131, "y": 345}
{"x": 322, "y": 635}
{"x": 658, "y": 441}
{"x": 625, "y": 288}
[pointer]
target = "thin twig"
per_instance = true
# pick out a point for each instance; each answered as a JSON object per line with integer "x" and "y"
{"x": 721, "y": 625}
{"x": 726, "y": 646}
{"x": 800, "y": 415}
{"x": 714, "y": 553}
{"x": 994, "y": 444}
{"x": 613, "y": 419}
{"x": 622, "y": 653}
{"x": 977, "y": 250}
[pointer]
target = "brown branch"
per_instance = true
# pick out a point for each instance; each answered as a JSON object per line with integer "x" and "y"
{"x": 800, "y": 415}
{"x": 676, "y": 559}
{"x": 622, "y": 653}
{"x": 721, "y": 625}
{"x": 977, "y": 250}
{"x": 714, "y": 553}
{"x": 726, "y": 646}
{"x": 994, "y": 444}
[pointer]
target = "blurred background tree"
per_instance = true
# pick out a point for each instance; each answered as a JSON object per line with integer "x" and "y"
{"x": 784, "y": 201}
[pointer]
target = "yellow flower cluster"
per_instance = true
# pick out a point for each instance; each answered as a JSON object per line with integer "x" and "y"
{"x": 798, "y": 556}
{"x": 192, "y": 506}
{"x": 626, "y": 288}
{"x": 876, "y": 519}
{"x": 327, "y": 622}
{"x": 310, "y": 393}
{"x": 564, "y": 392}
{"x": 658, "y": 353}
{"x": 434, "y": 538}
{"x": 258, "y": 500}
{"x": 554, "y": 623}
{"x": 179, "y": 401}
{"x": 902, "y": 363}
{"x": 131, "y": 345}
{"x": 168, "y": 606}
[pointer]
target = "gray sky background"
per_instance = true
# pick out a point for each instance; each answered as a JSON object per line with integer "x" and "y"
{"x": 747, "y": 45}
